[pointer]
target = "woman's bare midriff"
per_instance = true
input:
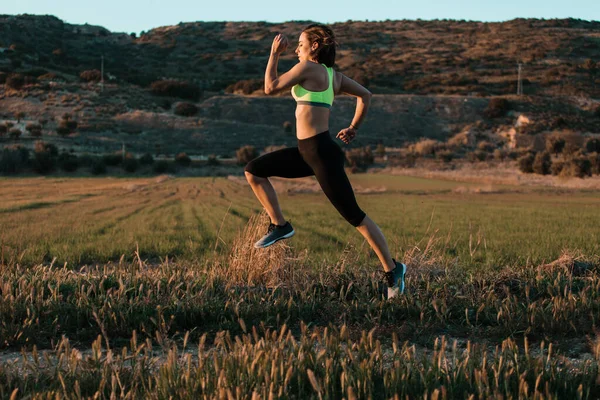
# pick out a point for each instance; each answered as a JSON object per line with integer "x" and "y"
{"x": 311, "y": 121}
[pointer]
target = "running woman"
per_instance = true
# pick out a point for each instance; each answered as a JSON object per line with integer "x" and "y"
{"x": 313, "y": 83}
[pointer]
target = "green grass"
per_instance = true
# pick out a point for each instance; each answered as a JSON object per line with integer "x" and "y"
{"x": 84, "y": 221}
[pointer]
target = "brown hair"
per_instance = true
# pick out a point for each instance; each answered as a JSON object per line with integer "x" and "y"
{"x": 323, "y": 35}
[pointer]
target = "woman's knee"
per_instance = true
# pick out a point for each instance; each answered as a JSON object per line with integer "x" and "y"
{"x": 251, "y": 178}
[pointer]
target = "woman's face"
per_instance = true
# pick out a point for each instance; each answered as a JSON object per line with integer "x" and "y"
{"x": 303, "y": 49}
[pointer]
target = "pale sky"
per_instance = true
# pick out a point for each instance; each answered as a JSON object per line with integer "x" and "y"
{"x": 143, "y": 15}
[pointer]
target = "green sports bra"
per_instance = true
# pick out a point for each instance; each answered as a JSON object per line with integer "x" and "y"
{"x": 317, "y": 99}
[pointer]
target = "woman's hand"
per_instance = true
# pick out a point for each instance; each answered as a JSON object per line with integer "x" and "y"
{"x": 346, "y": 135}
{"x": 280, "y": 44}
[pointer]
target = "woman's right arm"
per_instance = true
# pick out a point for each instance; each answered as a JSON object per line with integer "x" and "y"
{"x": 274, "y": 83}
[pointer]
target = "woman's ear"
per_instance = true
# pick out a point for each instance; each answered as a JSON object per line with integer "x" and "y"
{"x": 314, "y": 46}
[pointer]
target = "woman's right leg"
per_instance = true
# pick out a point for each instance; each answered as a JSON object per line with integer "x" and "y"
{"x": 285, "y": 163}
{"x": 265, "y": 193}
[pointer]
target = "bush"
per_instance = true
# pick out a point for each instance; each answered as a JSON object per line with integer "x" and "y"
{"x": 98, "y": 167}
{"x": 147, "y": 159}
{"x": 592, "y": 145}
{"x": 92, "y": 75}
{"x": 68, "y": 162}
{"x": 186, "y": 109}
{"x": 3, "y": 76}
{"x": 183, "y": 159}
{"x": 14, "y": 133}
{"x": 212, "y": 160}
{"x": 497, "y": 107}
{"x": 555, "y": 144}
{"x": 445, "y": 155}
{"x": 526, "y": 163}
{"x": 245, "y": 154}
{"x": 477, "y": 155}
{"x": 45, "y": 155}
{"x": 486, "y": 146}
{"x": 15, "y": 81}
{"x": 359, "y": 159}
{"x": 130, "y": 163}
{"x": 380, "y": 150}
{"x": 595, "y": 161}
{"x": 13, "y": 159}
{"x": 160, "y": 167}
{"x": 425, "y": 147}
{"x": 500, "y": 154}
{"x": 542, "y": 163}
{"x": 557, "y": 167}
{"x": 573, "y": 142}
{"x": 34, "y": 129}
{"x": 245, "y": 86}
{"x": 3, "y": 130}
{"x": 173, "y": 88}
{"x": 578, "y": 166}
{"x": 113, "y": 159}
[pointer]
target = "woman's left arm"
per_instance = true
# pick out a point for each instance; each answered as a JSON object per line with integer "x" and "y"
{"x": 363, "y": 100}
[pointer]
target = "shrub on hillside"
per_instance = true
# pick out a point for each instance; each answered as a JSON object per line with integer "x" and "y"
{"x": 497, "y": 107}
{"x": 486, "y": 146}
{"x": 445, "y": 155}
{"x": 91, "y": 75}
{"x": 555, "y": 144}
{"x": 3, "y": 76}
{"x": 212, "y": 160}
{"x": 160, "y": 167}
{"x": 147, "y": 159}
{"x": 557, "y": 167}
{"x": 526, "y": 163}
{"x": 500, "y": 154}
{"x": 3, "y": 130}
{"x": 14, "y": 133}
{"x": 44, "y": 157}
{"x": 542, "y": 163}
{"x": 595, "y": 161}
{"x": 578, "y": 166}
{"x": 380, "y": 150}
{"x": 15, "y": 81}
{"x": 34, "y": 129}
{"x": 360, "y": 158}
{"x": 98, "y": 167}
{"x": 245, "y": 154}
{"x": 68, "y": 162}
{"x": 113, "y": 159}
{"x": 425, "y": 147}
{"x": 592, "y": 145}
{"x": 247, "y": 86}
{"x": 13, "y": 159}
{"x": 477, "y": 155}
{"x": 186, "y": 109}
{"x": 173, "y": 88}
{"x": 130, "y": 163}
{"x": 183, "y": 159}
{"x": 574, "y": 141}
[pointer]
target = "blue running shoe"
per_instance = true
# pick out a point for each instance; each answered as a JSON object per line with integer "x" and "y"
{"x": 275, "y": 233}
{"x": 395, "y": 280}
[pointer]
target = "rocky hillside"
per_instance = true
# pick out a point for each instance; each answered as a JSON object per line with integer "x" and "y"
{"x": 431, "y": 79}
{"x": 422, "y": 57}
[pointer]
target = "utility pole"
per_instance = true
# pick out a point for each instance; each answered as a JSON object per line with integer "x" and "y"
{"x": 102, "y": 74}
{"x": 520, "y": 82}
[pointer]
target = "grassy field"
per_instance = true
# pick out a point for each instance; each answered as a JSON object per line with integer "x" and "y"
{"x": 162, "y": 294}
{"x": 86, "y": 221}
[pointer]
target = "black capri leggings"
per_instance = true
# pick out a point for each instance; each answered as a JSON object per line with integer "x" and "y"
{"x": 319, "y": 156}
